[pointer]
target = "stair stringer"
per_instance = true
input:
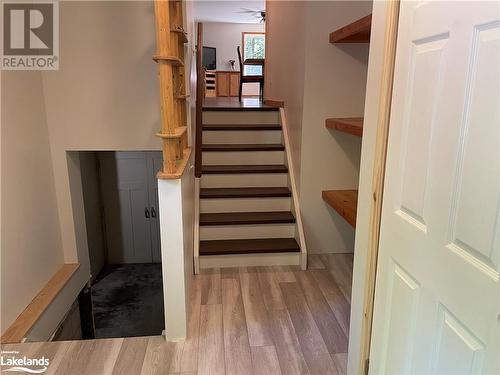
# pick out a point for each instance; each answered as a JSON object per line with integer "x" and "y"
{"x": 299, "y": 233}
{"x": 196, "y": 234}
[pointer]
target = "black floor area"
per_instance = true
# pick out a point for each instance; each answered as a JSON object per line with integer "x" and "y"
{"x": 128, "y": 301}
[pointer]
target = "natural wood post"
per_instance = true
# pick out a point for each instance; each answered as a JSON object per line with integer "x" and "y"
{"x": 170, "y": 39}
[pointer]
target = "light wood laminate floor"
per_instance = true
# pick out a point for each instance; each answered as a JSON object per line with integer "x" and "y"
{"x": 255, "y": 320}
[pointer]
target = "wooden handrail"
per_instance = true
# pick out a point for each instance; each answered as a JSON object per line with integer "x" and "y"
{"x": 25, "y": 321}
{"x": 200, "y": 92}
{"x": 170, "y": 39}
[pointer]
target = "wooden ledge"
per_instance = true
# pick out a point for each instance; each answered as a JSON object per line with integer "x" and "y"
{"x": 356, "y": 32}
{"x": 174, "y": 60}
{"x": 25, "y": 321}
{"x": 345, "y": 202}
{"x": 349, "y": 125}
{"x": 182, "y": 33}
{"x": 181, "y": 167}
{"x": 182, "y": 97}
{"x": 178, "y": 133}
{"x": 274, "y": 103}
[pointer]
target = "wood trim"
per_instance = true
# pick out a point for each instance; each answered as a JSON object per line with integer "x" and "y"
{"x": 174, "y": 60}
{"x": 349, "y": 125}
{"x": 383, "y": 123}
{"x": 182, "y": 163}
{"x": 356, "y": 32}
{"x": 200, "y": 93}
{"x": 25, "y": 321}
{"x": 345, "y": 202}
{"x": 294, "y": 189}
{"x": 177, "y": 133}
{"x": 274, "y": 103}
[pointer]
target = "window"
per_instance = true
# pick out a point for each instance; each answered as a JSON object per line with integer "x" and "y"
{"x": 254, "y": 47}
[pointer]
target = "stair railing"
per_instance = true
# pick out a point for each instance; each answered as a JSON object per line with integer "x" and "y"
{"x": 170, "y": 39}
{"x": 200, "y": 93}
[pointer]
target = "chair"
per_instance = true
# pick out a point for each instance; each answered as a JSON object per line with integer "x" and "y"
{"x": 249, "y": 79}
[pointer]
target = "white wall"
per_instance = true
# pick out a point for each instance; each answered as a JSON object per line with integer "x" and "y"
{"x": 318, "y": 80}
{"x": 226, "y": 37}
{"x": 176, "y": 207}
{"x": 31, "y": 250}
{"x": 285, "y": 66}
{"x": 104, "y": 97}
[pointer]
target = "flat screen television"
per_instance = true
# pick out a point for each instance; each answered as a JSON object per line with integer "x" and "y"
{"x": 209, "y": 58}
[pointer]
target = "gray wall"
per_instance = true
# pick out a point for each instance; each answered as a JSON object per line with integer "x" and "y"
{"x": 93, "y": 215}
{"x": 31, "y": 249}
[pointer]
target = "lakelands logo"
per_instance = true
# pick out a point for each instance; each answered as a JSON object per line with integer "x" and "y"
{"x": 30, "y": 35}
{"x": 11, "y": 362}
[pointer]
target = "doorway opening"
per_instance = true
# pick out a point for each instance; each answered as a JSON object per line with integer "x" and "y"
{"x": 120, "y": 198}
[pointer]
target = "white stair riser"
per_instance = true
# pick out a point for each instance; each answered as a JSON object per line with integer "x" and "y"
{"x": 244, "y": 180}
{"x": 245, "y": 204}
{"x": 250, "y": 260}
{"x": 240, "y": 117}
{"x": 231, "y": 232}
{"x": 242, "y": 137}
{"x": 243, "y": 157}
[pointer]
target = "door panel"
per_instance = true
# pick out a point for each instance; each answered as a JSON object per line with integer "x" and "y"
{"x": 234, "y": 84}
{"x": 458, "y": 351}
{"x": 437, "y": 299}
{"x": 125, "y": 199}
{"x": 402, "y": 304}
{"x": 155, "y": 164}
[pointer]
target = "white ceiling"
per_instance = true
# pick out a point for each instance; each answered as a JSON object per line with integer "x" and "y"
{"x": 227, "y": 10}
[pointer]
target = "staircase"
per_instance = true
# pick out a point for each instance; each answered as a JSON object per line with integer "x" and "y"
{"x": 247, "y": 213}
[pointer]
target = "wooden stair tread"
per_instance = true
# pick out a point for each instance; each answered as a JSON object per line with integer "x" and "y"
{"x": 245, "y": 192}
{"x": 345, "y": 202}
{"x": 243, "y": 147}
{"x": 356, "y": 32}
{"x": 249, "y": 246}
{"x": 246, "y": 218}
{"x": 235, "y": 127}
{"x": 240, "y": 169}
{"x": 350, "y": 125}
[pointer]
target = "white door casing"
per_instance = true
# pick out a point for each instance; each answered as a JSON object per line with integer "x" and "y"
{"x": 437, "y": 299}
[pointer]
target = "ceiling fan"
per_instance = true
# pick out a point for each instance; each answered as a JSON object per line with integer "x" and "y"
{"x": 259, "y": 14}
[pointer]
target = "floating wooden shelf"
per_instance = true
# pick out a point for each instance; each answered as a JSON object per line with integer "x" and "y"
{"x": 350, "y": 125}
{"x": 174, "y": 60}
{"x": 182, "y": 33}
{"x": 178, "y": 132}
{"x": 345, "y": 202}
{"x": 180, "y": 168}
{"x": 356, "y": 32}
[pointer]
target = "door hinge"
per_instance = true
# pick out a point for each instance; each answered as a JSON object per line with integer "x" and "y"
{"x": 367, "y": 366}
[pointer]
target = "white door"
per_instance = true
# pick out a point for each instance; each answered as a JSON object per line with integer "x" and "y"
{"x": 127, "y": 197}
{"x": 437, "y": 300}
